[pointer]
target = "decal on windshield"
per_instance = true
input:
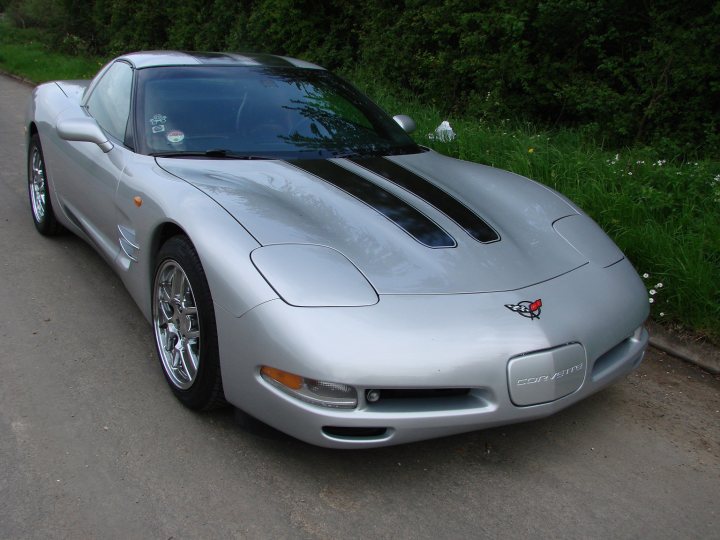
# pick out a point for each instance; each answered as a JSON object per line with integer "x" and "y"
{"x": 158, "y": 119}
{"x": 175, "y": 136}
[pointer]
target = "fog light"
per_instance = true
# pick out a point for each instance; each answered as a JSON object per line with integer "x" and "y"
{"x": 372, "y": 395}
{"x": 324, "y": 393}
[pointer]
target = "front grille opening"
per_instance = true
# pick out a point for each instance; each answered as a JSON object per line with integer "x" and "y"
{"x": 421, "y": 393}
{"x": 355, "y": 432}
{"x": 412, "y": 400}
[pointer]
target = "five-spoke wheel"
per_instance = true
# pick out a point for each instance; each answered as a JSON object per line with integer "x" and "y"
{"x": 177, "y": 327}
{"x": 184, "y": 325}
{"x": 42, "y": 211}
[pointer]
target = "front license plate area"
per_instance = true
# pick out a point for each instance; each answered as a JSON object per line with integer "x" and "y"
{"x": 545, "y": 376}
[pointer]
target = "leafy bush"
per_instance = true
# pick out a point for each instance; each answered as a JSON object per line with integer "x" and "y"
{"x": 662, "y": 210}
{"x": 626, "y": 72}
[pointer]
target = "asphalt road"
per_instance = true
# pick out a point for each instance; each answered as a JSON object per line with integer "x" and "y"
{"x": 94, "y": 445}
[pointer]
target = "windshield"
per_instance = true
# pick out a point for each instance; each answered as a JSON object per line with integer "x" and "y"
{"x": 265, "y": 112}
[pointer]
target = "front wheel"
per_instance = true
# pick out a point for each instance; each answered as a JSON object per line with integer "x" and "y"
{"x": 39, "y": 192}
{"x": 184, "y": 326}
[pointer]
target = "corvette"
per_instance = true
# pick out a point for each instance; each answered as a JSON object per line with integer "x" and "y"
{"x": 301, "y": 258}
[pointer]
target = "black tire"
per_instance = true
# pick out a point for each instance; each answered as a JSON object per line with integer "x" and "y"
{"x": 202, "y": 390}
{"x": 39, "y": 192}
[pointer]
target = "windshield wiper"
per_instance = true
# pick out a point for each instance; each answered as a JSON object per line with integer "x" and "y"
{"x": 216, "y": 153}
{"x": 339, "y": 155}
{"x": 374, "y": 151}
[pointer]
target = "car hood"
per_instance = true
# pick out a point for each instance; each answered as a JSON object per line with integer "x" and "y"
{"x": 287, "y": 203}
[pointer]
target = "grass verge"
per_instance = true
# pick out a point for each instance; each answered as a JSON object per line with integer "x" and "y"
{"x": 664, "y": 213}
{"x": 26, "y": 53}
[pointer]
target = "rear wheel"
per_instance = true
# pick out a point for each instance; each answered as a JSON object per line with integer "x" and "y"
{"x": 184, "y": 326}
{"x": 39, "y": 192}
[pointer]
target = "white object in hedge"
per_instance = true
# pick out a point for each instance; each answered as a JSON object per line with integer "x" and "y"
{"x": 444, "y": 132}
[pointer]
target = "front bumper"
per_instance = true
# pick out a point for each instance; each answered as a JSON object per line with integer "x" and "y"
{"x": 435, "y": 341}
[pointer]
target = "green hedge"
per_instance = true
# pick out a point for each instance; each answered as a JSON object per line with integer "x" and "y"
{"x": 625, "y": 72}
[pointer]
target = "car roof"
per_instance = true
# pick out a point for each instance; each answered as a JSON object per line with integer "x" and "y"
{"x": 147, "y": 59}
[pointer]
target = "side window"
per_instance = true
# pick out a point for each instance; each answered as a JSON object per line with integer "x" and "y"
{"x": 109, "y": 103}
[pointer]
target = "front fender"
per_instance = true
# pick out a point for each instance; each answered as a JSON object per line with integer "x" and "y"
{"x": 222, "y": 244}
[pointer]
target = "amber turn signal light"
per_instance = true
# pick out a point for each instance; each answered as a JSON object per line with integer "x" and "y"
{"x": 323, "y": 393}
{"x": 283, "y": 377}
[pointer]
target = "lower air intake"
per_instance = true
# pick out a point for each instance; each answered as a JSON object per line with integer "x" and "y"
{"x": 354, "y": 432}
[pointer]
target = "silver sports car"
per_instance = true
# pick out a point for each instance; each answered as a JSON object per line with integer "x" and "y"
{"x": 301, "y": 258}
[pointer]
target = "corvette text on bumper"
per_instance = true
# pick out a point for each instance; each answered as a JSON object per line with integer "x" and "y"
{"x": 554, "y": 376}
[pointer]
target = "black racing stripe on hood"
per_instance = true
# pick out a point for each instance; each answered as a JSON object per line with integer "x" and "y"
{"x": 408, "y": 218}
{"x": 473, "y": 224}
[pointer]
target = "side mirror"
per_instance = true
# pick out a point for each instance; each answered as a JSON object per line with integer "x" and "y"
{"x": 405, "y": 122}
{"x": 83, "y": 129}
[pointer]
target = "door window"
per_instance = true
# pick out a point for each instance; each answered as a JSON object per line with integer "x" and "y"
{"x": 109, "y": 103}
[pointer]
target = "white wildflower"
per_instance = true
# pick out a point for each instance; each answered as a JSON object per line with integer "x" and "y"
{"x": 662, "y": 314}
{"x": 651, "y": 300}
{"x": 646, "y": 275}
{"x": 653, "y": 292}
{"x": 629, "y": 173}
{"x": 659, "y": 286}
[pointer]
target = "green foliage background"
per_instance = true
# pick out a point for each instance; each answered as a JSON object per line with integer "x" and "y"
{"x": 614, "y": 104}
{"x": 623, "y": 72}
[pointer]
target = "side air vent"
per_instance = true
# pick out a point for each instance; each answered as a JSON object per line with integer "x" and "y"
{"x": 128, "y": 243}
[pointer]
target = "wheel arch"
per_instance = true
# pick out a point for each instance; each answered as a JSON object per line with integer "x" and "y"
{"x": 223, "y": 247}
{"x": 162, "y": 233}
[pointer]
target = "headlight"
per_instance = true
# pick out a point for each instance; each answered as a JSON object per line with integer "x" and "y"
{"x": 307, "y": 275}
{"x": 588, "y": 239}
{"x": 325, "y": 393}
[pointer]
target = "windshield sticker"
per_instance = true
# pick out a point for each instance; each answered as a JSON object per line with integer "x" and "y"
{"x": 175, "y": 136}
{"x": 158, "y": 129}
{"x": 158, "y": 119}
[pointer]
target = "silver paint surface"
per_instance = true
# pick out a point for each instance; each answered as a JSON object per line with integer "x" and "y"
{"x": 439, "y": 318}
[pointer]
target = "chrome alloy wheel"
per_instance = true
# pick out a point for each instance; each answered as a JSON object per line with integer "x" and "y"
{"x": 38, "y": 185}
{"x": 177, "y": 325}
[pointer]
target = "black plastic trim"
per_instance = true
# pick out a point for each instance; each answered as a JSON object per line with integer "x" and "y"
{"x": 343, "y": 432}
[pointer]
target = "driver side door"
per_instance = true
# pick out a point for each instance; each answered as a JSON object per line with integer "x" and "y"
{"x": 89, "y": 187}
